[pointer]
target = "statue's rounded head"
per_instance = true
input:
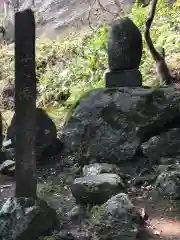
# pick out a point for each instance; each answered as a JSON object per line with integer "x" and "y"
{"x": 124, "y": 45}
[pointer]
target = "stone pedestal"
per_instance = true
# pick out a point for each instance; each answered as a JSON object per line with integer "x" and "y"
{"x": 126, "y": 78}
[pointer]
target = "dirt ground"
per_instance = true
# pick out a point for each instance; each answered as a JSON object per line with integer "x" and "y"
{"x": 163, "y": 215}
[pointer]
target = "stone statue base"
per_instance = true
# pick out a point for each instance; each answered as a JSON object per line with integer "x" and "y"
{"x": 124, "y": 78}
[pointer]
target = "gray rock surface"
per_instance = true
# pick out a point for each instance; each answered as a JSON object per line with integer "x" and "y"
{"x": 77, "y": 212}
{"x": 169, "y": 160}
{"x": 109, "y": 125}
{"x": 98, "y": 168}
{"x": 163, "y": 145}
{"x": 168, "y": 184}
{"x": 8, "y": 167}
{"x": 124, "y": 78}
{"x": 97, "y": 189}
{"x": 22, "y": 218}
{"x": 166, "y": 168}
{"x": 117, "y": 219}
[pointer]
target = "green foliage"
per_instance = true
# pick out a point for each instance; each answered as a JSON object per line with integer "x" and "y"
{"x": 50, "y": 189}
{"x": 84, "y": 62}
{"x": 68, "y": 69}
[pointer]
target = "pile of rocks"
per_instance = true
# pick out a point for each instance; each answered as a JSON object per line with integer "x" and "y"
{"x": 116, "y": 139}
{"x": 122, "y": 138}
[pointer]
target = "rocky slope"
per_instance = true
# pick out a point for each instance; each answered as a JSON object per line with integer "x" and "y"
{"x": 60, "y": 17}
{"x": 115, "y": 171}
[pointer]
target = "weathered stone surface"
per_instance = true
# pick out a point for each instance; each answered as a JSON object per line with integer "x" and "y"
{"x": 119, "y": 205}
{"x": 109, "y": 125}
{"x": 163, "y": 145}
{"x": 97, "y": 189}
{"x": 124, "y": 45}
{"x": 117, "y": 219}
{"x": 22, "y": 218}
{"x": 7, "y": 144}
{"x": 8, "y": 167}
{"x": 168, "y": 184}
{"x": 77, "y": 212}
{"x": 171, "y": 167}
{"x": 146, "y": 179}
{"x": 46, "y": 132}
{"x": 98, "y": 168}
{"x": 10, "y": 153}
{"x": 124, "y": 78}
{"x": 169, "y": 160}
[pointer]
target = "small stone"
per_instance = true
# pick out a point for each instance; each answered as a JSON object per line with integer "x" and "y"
{"x": 76, "y": 212}
{"x": 8, "y": 167}
{"x": 168, "y": 184}
{"x": 98, "y": 168}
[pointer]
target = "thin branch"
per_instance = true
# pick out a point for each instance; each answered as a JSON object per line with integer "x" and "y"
{"x": 151, "y": 15}
{"x": 89, "y": 14}
{"x": 148, "y": 39}
{"x": 102, "y": 8}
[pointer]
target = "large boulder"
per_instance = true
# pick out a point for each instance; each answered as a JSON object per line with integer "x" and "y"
{"x": 163, "y": 145}
{"x": 46, "y": 132}
{"x": 97, "y": 189}
{"x": 25, "y": 218}
{"x": 109, "y": 125}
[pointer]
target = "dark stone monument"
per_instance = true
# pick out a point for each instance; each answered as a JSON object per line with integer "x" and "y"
{"x": 25, "y": 216}
{"x": 124, "y": 54}
{"x": 25, "y": 104}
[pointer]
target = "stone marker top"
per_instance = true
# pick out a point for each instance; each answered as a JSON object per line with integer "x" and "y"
{"x": 124, "y": 54}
